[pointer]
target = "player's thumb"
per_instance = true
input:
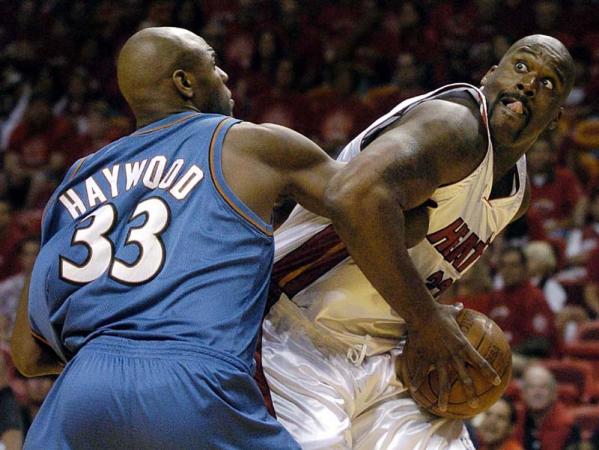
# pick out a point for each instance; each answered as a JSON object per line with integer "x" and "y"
{"x": 456, "y": 308}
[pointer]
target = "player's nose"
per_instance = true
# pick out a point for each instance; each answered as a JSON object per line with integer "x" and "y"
{"x": 528, "y": 84}
{"x": 224, "y": 76}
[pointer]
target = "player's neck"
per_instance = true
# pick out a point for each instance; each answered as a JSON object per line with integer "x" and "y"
{"x": 504, "y": 160}
{"x": 144, "y": 118}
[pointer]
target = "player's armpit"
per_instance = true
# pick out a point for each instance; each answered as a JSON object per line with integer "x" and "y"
{"x": 525, "y": 202}
{"x": 305, "y": 168}
{"x": 31, "y": 356}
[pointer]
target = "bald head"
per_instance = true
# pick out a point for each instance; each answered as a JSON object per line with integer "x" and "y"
{"x": 539, "y": 390}
{"x": 538, "y": 373}
{"x": 164, "y": 70}
{"x": 554, "y": 49}
{"x": 526, "y": 91}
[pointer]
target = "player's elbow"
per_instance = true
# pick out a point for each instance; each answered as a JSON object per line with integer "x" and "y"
{"x": 352, "y": 196}
{"x": 26, "y": 354}
{"x": 22, "y": 361}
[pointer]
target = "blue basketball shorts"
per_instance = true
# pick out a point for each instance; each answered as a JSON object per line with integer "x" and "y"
{"x": 122, "y": 394}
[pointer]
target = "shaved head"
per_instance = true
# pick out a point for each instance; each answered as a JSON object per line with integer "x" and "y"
{"x": 554, "y": 49}
{"x": 163, "y": 70}
{"x": 526, "y": 91}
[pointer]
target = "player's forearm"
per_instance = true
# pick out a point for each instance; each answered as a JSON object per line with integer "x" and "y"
{"x": 30, "y": 356}
{"x": 372, "y": 225}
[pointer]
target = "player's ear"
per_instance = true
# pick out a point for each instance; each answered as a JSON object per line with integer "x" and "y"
{"x": 489, "y": 72}
{"x": 183, "y": 83}
{"x": 553, "y": 124}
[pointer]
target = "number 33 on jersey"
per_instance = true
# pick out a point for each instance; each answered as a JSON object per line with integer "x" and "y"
{"x": 144, "y": 239}
{"x": 98, "y": 224}
{"x": 101, "y": 250}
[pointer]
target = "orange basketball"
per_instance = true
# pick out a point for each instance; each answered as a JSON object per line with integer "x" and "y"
{"x": 488, "y": 339}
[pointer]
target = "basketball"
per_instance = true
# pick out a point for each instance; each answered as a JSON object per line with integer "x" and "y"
{"x": 488, "y": 339}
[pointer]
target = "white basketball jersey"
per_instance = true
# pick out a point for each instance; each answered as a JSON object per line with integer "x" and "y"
{"x": 313, "y": 268}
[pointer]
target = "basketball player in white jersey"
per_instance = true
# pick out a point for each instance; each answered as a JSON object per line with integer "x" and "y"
{"x": 447, "y": 172}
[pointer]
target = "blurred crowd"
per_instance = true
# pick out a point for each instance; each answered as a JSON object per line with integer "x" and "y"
{"x": 328, "y": 69}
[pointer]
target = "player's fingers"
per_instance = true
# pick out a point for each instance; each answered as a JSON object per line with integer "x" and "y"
{"x": 483, "y": 365}
{"x": 443, "y": 387}
{"x": 418, "y": 376}
{"x": 466, "y": 381}
{"x": 456, "y": 308}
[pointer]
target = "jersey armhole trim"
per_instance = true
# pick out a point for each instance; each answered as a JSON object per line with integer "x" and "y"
{"x": 224, "y": 191}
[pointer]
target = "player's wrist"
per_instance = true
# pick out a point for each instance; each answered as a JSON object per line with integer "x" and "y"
{"x": 421, "y": 316}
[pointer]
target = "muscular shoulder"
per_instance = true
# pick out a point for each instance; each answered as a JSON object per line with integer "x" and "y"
{"x": 264, "y": 139}
{"x": 445, "y": 133}
{"x": 275, "y": 146}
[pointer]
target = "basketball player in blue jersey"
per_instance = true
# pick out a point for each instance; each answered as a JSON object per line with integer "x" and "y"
{"x": 149, "y": 289}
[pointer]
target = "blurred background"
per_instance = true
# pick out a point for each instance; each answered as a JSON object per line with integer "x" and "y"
{"x": 328, "y": 69}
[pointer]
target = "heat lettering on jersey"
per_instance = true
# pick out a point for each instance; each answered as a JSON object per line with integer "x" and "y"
{"x": 436, "y": 284}
{"x": 457, "y": 244}
{"x": 152, "y": 174}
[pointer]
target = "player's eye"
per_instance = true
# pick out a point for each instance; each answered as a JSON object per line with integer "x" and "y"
{"x": 521, "y": 67}
{"x": 547, "y": 83}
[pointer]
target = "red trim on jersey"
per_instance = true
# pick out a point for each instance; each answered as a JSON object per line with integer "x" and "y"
{"x": 304, "y": 265}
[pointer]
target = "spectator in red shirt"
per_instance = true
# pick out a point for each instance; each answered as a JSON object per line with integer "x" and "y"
{"x": 520, "y": 309}
{"x": 473, "y": 289}
{"x": 591, "y": 289}
{"x": 10, "y": 288}
{"x": 11, "y": 433}
{"x": 36, "y": 151}
{"x": 582, "y": 242}
{"x": 10, "y": 235}
{"x": 339, "y": 114}
{"x": 542, "y": 265}
{"x": 95, "y": 134}
{"x": 36, "y": 390}
{"x": 545, "y": 423}
{"x": 495, "y": 430}
{"x": 555, "y": 191}
{"x": 281, "y": 103}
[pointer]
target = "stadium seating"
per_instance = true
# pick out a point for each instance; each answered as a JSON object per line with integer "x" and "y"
{"x": 587, "y": 418}
{"x": 574, "y": 379}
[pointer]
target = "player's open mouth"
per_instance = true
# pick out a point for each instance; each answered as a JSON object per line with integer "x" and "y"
{"x": 515, "y": 105}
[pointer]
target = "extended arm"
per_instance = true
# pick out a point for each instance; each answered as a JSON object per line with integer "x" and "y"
{"x": 437, "y": 143}
{"x": 31, "y": 357}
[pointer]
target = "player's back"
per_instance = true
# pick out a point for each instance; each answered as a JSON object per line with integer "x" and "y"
{"x": 145, "y": 240}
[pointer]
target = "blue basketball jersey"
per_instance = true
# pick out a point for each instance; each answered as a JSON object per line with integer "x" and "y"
{"x": 145, "y": 240}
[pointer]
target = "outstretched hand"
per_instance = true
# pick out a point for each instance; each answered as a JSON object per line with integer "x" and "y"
{"x": 441, "y": 346}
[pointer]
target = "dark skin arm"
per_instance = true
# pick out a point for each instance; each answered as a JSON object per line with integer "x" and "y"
{"x": 32, "y": 357}
{"x": 282, "y": 162}
{"x": 267, "y": 161}
{"x": 437, "y": 143}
